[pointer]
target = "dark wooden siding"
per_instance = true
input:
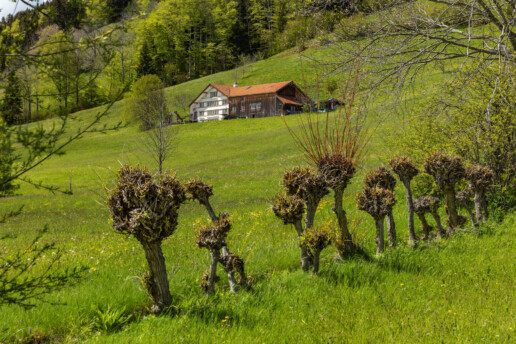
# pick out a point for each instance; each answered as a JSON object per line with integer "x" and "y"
{"x": 240, "y": 107}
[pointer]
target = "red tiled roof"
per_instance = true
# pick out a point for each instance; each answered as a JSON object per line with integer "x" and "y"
{"x": 229, "y": 91}
{"x": 289, "y": 100}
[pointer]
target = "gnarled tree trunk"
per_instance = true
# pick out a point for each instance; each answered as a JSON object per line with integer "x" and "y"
{"x": 480, "y": 206}
{"x": 379, "y": 235}
{"x": 306, "y": 260}
{"x": 410, "y": 211}
{"x": 212, "y": 277}
{"x": 315, "y": 266}
{"x": 225, "y": 250}
{"x": 391, "y": 229}
{"x": 311, "y": 209}
{"x": 348, "y": 247}
{"x": 440, "y": 230}
{"x": 471, "y": 216}
{"x": 426, "y": 227}
{"x": 451, "y": 207}
{"x": 160, "y": 290}
{"x": 231, "y": 275}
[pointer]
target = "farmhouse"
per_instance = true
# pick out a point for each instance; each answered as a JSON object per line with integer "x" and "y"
{"x": 218, "y": 102}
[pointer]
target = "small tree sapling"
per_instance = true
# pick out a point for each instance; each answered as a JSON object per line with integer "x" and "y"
{"x": 406, "y": 170}
{"x": 147, "y": 208}
{"x": 378, "y": 202}
{"x": 384, "y": 179}
{"x": 447, "y": 171}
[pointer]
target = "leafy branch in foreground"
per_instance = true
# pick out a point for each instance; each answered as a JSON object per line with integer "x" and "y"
{"x": 27, "y": 275}
{"x": 40, "y": 261}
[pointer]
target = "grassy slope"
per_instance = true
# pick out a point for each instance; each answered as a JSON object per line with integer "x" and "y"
{"x": 454, "y": 291}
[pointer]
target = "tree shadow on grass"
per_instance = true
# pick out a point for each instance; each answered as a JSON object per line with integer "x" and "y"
{"x": 215, "y": 309}
{"x": 354, "y": 276}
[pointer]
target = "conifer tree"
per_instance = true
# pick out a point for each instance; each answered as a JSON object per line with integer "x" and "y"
{"x": 145, "y": 62}
{"x": 11, "y": 107}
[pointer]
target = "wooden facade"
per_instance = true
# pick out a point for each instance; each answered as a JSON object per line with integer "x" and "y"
{"x": 248, "y": 101}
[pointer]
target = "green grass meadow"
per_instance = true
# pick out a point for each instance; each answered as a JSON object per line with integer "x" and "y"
{"x": 457, "y": 290}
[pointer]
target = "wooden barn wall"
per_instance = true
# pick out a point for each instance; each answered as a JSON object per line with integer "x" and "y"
{"x": 268, "y": 105}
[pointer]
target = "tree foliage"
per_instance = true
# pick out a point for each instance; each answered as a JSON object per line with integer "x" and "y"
{"x": 146, "y": 101}
{"x": 11, "y": 106}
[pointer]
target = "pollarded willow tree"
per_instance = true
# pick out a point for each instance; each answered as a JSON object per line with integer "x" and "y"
{"x": 146, "y": 207}
{"x": 480, "y": 180}
{"x": 334, "y": 143}
{"x": 384, "y": 179}
{"x": 406, "y": 170}
{"x": 290, "y": 209}
{"x": 377, "y": 202}
{"x": 213, "y": 237}
{"x": 447, "y": 171}
{"x": 305, "y": 186}
{"x": 310, "y": 186}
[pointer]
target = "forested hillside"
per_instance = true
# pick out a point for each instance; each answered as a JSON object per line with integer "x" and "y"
{"x": 64, "y": 56}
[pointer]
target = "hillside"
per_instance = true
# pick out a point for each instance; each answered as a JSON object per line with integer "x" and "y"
{"x": 455, "y": 290}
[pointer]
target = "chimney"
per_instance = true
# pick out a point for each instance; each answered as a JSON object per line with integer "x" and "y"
{"x": 235, "y": 84}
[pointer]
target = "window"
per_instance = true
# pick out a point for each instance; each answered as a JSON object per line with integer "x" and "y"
{"x": 233, "y": 109}
{"x": 253, "y": 107}
{"x": 213, "y": 94}
{"x": 224, "y": 102}
{"x": 207, "y": 104}
{"x": 233, "y": 100}
{"x": 213, "y": 112}
{"x": 256, "y": 106}
{"x": 242, "y": 107}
